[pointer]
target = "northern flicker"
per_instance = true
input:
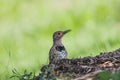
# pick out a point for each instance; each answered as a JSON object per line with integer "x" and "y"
{"x": 58, "y": 50}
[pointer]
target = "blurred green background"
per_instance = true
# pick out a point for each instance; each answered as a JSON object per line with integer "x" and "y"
{"x": 26, "y": 28}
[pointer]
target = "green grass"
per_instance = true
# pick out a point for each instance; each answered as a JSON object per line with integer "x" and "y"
{"x": 26, "y": 28}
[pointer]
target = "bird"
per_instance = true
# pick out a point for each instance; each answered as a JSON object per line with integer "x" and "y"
{"x": 58, "y": 51}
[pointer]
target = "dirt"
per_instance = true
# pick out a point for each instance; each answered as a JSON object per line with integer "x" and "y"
{"x": 81, "y": 68}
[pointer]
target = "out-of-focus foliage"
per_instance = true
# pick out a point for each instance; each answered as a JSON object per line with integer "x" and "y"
{"x": 26, "y": 28}
{"x": 23, "y": 76}
{"x": 108, "y": 76}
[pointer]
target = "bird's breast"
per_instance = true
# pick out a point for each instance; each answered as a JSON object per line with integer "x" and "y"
{"x": 61, "y": 54}
{"x": 60, "y": 48}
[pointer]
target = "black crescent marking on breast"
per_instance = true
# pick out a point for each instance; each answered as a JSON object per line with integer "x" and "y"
{"x": 60, "y": 48}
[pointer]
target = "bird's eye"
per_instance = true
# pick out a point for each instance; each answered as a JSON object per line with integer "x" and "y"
{"x": 58, "y": 33}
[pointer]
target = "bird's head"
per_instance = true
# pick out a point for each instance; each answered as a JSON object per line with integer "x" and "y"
{"x": 59, "y": 34}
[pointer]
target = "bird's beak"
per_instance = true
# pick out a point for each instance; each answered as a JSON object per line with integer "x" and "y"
{"x": 66, "y": 31}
